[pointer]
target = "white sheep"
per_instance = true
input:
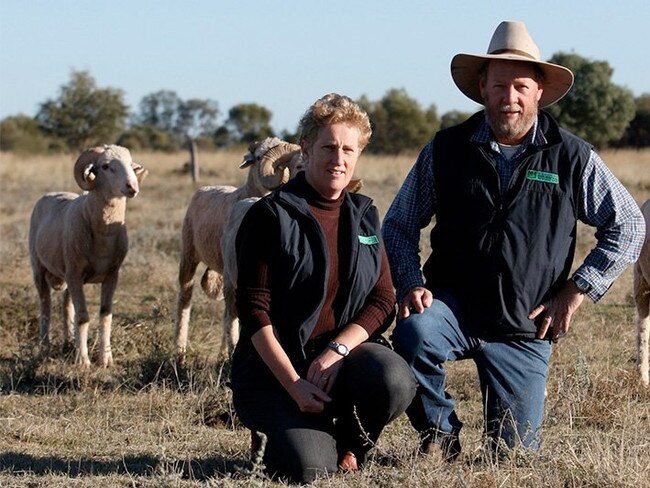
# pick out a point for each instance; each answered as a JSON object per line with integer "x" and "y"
{"x": 229, "y": 253}
{"x": 77, "y": 239}
{"x": 271, "y": 163}
{"x": 642, "y": 301}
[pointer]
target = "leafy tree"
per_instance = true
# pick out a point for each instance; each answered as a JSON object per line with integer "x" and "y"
{"x": 432, "y": 120}
{"x": 638, "y": 132}
{"x": 222, "y": 137}
{"x": 205, "y": 143}
{"x": 22, "y": 134}
{"x": 292, "y": 137}
{"x": 165, "y": 112}
{"x": 595, "y": 108}
{"x": 197, "y": 117}
{"x": 379, "y": 123}
{"x": 399, "y": 123}
{"x": 141, "y": 137}
{"x": 453, "y": 117}
{"x": 84, "y": 115}
{"x": 160, "y": 110}
{"x": 248, "y": 122}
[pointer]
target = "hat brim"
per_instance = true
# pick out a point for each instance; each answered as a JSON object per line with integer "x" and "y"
{"x": 465, "y": 68}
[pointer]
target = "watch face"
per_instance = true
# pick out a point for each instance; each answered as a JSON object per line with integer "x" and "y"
{"x": 341, "y": 349}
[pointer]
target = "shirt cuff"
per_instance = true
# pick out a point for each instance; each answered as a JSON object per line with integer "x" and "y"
{"x": 586, "y": 277}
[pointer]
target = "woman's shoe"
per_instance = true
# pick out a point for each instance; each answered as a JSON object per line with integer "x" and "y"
{"x": 348, "y": 462}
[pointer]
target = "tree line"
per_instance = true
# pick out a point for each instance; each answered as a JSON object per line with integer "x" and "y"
{"x": 83, "y": 115}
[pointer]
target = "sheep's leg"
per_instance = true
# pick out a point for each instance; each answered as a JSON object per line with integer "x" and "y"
{"x": 187, "y": 268}
{"x": 82, "y": 320}
{"x": 643, "y": 344}
{"x": 106, "y": 320}
{"x": 642, "y": 301}
{"x": 81, "y": 341}
{"x": 234, "y": 333}
{"x": 45, "y": 305}
{"x": 230, "y": 335}
{"x": 643, "y": 338}
{"x": 67, "y": 316}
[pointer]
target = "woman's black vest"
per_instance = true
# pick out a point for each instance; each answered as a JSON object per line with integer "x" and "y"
{"x": 503, "y": 253}
{"x": 299, "y": 274}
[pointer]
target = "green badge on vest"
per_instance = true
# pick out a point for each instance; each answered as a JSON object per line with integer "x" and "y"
{"x": 368, "y": 240}
{"x": 542, "y": 176}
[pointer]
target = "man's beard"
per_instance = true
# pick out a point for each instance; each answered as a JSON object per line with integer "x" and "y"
{"x": 510, "y": 130}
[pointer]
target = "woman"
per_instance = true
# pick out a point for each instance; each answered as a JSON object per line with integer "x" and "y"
{"x": 314, "y": 293}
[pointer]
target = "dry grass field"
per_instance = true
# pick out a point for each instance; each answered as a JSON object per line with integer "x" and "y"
{"x": 145, "y": 423}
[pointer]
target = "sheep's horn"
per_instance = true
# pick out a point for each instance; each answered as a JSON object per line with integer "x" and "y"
{"x": 83, "y": 168}
{"x": 355, "y": 185}
{"x": 273, "y": 166}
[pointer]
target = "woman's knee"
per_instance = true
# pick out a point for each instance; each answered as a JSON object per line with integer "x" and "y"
{"x": 301, "y": 454}
{"x": 399, "y": 382}
{"x": 379, "y": 374}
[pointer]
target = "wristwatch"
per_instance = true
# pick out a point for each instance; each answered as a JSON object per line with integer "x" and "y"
{"x": 581, "y": 284}
{"x": 339, "y": 348}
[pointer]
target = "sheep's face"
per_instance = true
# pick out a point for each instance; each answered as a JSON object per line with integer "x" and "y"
{"x": 117, "y": 174}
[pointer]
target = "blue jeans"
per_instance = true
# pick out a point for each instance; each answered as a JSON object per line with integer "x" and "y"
{"x": 512, "y": 375}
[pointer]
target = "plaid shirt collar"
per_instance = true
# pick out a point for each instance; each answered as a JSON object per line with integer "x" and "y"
{"x": 483, "y": 135}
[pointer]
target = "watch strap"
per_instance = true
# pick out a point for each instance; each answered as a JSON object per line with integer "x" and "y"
{"x": 583, "y": 285}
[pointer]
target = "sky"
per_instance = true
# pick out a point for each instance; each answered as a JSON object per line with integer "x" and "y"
{"x": 286, "y": 54}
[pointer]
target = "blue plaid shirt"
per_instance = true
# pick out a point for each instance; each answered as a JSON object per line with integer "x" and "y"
{"x": 604, "y": 203}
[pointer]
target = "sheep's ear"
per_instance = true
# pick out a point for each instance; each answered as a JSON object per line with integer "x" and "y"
{"x": 89, "y": 173}
{"x": 248, "y": 160}
{"x": 140, "y": 172}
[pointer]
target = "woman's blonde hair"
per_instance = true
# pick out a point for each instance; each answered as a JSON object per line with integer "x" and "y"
{"x": 334, "y": 109}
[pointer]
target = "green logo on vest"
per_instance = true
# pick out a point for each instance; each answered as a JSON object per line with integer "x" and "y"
{"x": 542, "y": 176}
{"x": 368, "y": 240}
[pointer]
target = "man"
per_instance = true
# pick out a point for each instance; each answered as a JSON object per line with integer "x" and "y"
{"x": 506, "y": 188}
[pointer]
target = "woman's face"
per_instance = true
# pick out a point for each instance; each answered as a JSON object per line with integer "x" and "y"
{"x": 331, "y": 158}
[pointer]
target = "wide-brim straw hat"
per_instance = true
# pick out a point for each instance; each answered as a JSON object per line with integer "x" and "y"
{"x": 510, "y": 41}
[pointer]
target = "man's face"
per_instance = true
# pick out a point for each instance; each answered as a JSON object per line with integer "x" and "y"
{"x": 511, "y": 94}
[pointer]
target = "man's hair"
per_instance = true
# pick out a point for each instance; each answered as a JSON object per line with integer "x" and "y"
{"x": 334, "y": 109}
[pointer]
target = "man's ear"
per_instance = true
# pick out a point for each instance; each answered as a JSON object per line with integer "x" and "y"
{"x": 481, "y": 86}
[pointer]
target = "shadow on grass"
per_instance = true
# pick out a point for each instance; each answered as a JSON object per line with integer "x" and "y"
{"x": 194, "y": 469}
{"x": 34, "y": 371}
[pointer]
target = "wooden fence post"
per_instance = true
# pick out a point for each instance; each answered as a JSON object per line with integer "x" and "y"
{"x": 194, "y": 159}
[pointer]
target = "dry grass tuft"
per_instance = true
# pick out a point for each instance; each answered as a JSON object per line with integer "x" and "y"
{"x": 147, "y": 423}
